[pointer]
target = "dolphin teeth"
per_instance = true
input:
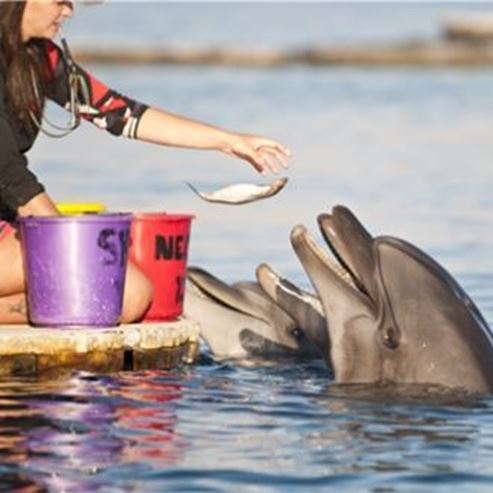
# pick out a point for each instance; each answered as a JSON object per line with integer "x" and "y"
{"x": 340, "y": 271}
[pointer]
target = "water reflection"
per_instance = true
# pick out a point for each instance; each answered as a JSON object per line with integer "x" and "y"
{"x": 62, "y": 435}
{"x": 219, "y": 426}
{"x": 145, "y": 411}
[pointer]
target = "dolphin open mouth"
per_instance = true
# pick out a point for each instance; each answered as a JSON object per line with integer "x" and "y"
{"x": 352, "y": 262}
{"x": 335, "y": 263}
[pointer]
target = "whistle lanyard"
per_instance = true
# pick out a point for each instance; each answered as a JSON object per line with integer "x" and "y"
{"x": 78, "y": 97}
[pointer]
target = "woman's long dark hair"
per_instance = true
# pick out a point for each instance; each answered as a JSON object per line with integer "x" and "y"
{"x": 25, "y": 65}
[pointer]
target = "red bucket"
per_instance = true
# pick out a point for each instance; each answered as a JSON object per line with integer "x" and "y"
{"x": 159, "y": 246}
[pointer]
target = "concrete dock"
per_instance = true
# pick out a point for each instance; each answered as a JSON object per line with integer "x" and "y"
{"x": 34, "y": 351}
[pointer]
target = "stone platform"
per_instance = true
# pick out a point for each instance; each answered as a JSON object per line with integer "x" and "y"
{"x": 34, "y": 351}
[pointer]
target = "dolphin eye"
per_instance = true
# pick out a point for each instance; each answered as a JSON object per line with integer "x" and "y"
{"x": 297, "y": 333}
{"x": 390, "y": 338}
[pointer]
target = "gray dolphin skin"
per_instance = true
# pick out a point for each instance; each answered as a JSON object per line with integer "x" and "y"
{"x": 393, "y": 314}
{"x": 241, "y": 321}
{"x": 304, "y": 307}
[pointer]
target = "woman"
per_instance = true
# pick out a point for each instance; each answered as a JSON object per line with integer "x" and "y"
{"x": 32, "y": 69}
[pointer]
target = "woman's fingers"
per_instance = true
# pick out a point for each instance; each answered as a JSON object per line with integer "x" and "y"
{"x": 265, "y": 155}
{"x": 268, "y": 162}
{"x": 273, "y": 144}
{"x": 278, "y": 159}
{"x": 274, "y": 154}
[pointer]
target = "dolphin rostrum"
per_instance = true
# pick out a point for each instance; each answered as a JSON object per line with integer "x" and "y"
{"x": 241, "y": 321}
{"x": 393, "y": 313}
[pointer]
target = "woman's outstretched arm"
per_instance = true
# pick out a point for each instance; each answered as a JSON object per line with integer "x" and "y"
{"x": 160, "y": 127}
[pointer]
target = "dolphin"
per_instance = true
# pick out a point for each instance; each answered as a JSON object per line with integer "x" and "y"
{"x": 241, "y": 321}
{"x": 303, "y": 306}
{"x": 393, "y": 313}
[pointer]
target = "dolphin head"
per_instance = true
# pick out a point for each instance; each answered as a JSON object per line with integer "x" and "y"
{"x": 241, "y": 321}
{"x": 393, "y": 313}
{"x": 304, "y": 307}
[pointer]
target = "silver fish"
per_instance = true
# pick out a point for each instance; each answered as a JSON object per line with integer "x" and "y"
{"x": 242, "y": 193}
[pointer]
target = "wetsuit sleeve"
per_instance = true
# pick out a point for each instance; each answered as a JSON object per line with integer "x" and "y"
{"x": 18, "y": 185}
{"x": 102, "y": 106}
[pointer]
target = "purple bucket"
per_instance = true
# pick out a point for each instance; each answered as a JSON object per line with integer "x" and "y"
{"x": 75, "y": 268}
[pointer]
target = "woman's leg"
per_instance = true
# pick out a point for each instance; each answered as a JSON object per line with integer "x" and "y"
{"x": 12, "y": 295}
{"x": 13, "y": 309}
{"x": 137, "y": 295}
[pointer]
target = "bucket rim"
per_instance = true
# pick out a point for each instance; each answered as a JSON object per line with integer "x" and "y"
{"x": 83, "y": 218}
{"x": 164, "y": 216}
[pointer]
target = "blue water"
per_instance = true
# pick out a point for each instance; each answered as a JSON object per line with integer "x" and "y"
{"x": 261, "y": 24}
{"x": 223, "y": 428}
{"x": 409, "y": 150}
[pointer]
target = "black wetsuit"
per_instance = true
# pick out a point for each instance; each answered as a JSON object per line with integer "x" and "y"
{"x": 106, "y": 109}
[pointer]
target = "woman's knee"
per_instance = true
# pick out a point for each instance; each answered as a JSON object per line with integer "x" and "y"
{"x": 137, "y": 295}
{"x": 11, "y": 266}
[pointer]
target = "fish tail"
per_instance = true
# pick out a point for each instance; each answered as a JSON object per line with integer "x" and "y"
{"x": 192, "y": 188}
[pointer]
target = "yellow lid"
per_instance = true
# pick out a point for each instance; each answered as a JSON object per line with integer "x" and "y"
{"x": 73, "y": 208}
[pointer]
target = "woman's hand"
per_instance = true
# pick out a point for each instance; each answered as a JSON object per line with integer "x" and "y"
{"x": 263, "y": 154}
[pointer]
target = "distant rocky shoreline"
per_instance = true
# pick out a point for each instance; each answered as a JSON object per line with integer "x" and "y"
{"x": 467, "y": 42}
{"x": 449, "y": 53}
